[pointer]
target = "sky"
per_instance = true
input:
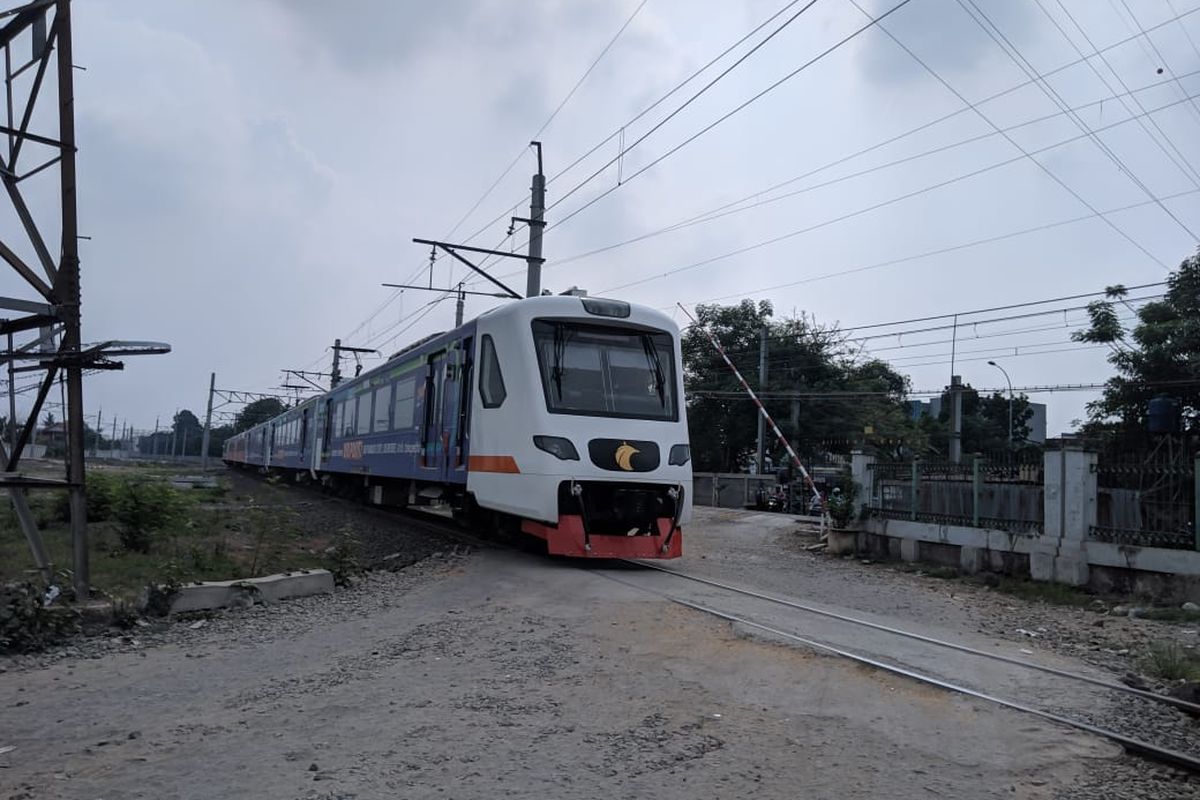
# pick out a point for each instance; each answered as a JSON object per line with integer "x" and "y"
{"x": 250, "y": 173}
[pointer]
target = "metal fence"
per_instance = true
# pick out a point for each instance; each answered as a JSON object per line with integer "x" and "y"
{"x": 728, "y": 490}
{"x": 1149, "y": 498}
{"x": 1004, "y": 492}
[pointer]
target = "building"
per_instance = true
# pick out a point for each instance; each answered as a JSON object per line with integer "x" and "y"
{"x": 933, "y": 407}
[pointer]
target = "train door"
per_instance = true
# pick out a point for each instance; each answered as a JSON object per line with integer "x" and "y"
{"x": 458, "y": 450}
{"x": 451, "y": 408}
{"x": 304, "y": 433}
{"x": 433, "y": 453}
{"x": 324, "y": 435}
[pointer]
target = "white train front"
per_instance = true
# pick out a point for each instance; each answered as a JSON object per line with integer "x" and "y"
{"x": 562, "y": 416}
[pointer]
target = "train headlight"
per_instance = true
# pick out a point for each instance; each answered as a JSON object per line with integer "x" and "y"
{"x": 680, "y": 455}
{"x": 557, "y": 446}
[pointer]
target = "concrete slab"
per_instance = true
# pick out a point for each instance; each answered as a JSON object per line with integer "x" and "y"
{"x": 267, "y": 589}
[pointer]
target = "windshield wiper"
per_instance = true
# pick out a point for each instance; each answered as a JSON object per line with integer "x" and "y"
{"x": 655, "y": 363}
{"x": 560, "y": 349}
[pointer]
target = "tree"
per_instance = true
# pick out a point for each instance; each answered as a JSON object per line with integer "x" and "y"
{"x": 847, "y": 402}
{"x": 1161, "y": 355}
{"x": 256, "y": 412}
{"x": 217, "y": 437}
{"x": 985, "y": 423}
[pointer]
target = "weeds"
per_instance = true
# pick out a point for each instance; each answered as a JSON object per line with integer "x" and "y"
{"x": 1169, "y": 661}
{"x": 342, "y": 558}
{"x": 26, "y": 623}
{"x": 1170, "y": 615}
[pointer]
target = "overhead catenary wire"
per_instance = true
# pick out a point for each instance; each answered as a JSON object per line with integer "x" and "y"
{"x": 663, "y": 98}
{"x": 1013, "y": 142}
{"x": 397, "y": 293}
{"x": 756, "y": 200}
{"x": 1006, "y": 45}
{"x": 736, "y": 110}
{"x": 879, "y": 205}
{"x": 922, "y": 255}
{"x": 1176, "y": 19}
{"x": 1111, "y": 69}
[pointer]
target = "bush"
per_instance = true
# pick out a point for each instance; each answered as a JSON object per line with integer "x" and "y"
{"x": 102, "y": 489}
{"x": 25, "y": 622}
{"x": 142, "y": 507}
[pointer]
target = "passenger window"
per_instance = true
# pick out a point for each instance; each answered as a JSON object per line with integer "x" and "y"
{"x": 383, "y": 403}
{"x": 491, "y": 382}
{"x": 337, "y": 421}
{"x": 402, "y": 417}
{"x": 364, "y": 414}
{"x": 348, "y": 419}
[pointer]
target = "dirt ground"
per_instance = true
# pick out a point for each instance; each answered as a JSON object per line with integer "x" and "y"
{"x": 494, "y": 673}
{"x": 501, "y": 675}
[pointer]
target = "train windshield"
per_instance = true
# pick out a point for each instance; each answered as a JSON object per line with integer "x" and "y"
{"x": 606, "y": 371}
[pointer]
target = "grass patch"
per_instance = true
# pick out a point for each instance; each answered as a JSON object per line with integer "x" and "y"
{"x": 1170, "y": 614}
{"x": 135, "y": 543}
{"x": 1169, "y": 661}
{"x": 1054, "y": 594}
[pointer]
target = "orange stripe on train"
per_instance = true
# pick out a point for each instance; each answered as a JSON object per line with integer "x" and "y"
{"x": 506, "y": 464}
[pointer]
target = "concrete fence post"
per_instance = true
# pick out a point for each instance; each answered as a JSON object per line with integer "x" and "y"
{"x": 1060, "y": 553}
{"x": 862, "y": 474}
{"x": 915, "y": 489}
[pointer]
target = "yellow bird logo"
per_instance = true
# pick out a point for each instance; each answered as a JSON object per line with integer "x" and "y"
{"x": 624, "y": 456}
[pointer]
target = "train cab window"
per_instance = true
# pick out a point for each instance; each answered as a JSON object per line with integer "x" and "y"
{"x": 363, "y": 424}
{"x": 606, "y": 371}
{"x": 406, "y": 401}
{"x": 491, "y": 382}
{"x": 383, "y": 403}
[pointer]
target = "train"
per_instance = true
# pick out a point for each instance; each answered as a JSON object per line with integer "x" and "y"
{"x": 556, "y": 417}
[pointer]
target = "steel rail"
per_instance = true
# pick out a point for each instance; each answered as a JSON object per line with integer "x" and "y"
{"x": 1162, "y": 755}
{"x": 962, "y": 648}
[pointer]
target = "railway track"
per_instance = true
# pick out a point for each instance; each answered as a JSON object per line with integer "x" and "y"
{"x": 885, "y": 661}
{"x": 1188, "y": 761}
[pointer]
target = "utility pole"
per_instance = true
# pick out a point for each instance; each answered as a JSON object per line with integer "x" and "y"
{"x": 212, "y": 387}
{"x": 762, "y": 385}
{"x": 113, "y": 441}
{"x": 335, "y": 374}
{"x": 99, "y": 428}
{"x": 174, "y": 433}
{"x": 537, "y": 222}
{"x": 956, "y": 419}
{"x": 154, "y": 439}
{"x": 12, "y": 402}
{"x": 67, "y": 296}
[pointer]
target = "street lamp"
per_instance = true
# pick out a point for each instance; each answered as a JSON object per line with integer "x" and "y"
{"x": 1010, "y": 401}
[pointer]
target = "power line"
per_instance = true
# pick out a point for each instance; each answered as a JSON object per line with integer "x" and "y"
{"x": 395, "y": 294}
{"x": 1111, "y": 69}
{"x": 960, "y": 324}
{"x": 928, "y": 253}
{"x": 1178, "y": 18}
{"x": 873, "y": 22}
{"x": 736, "y": 206}
{"x": 883, "y": 204}
{"x": 517, "y": 159}
{"x": 1161, "y": 58}
{"x": 1023, "y": 64}
{"x": 1007, "y": 355}
{"x": 979, "y": 113}
{"x": 512, "y": 209}
{"x": 687, "y": 103}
